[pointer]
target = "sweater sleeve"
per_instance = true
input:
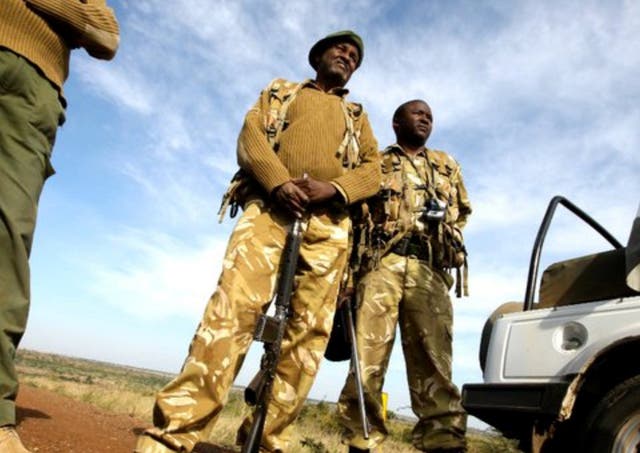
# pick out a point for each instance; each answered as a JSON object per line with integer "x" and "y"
{"x": 363, "y": 181}
{"x": 85, "y": 23}
{"x": 255, "y": 154}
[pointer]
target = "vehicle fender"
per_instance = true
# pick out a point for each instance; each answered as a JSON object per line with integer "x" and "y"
{"x": 588, "y": 359}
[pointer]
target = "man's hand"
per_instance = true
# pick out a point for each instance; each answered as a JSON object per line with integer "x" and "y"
{"x": 316, "y": 191}
{"x": 291, "y": 197}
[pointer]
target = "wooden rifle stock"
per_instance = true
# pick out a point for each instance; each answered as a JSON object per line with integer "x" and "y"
{"x": 270, "y": 330}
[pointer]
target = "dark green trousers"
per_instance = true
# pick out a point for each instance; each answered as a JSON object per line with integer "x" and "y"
{"x": 30, "y": 112}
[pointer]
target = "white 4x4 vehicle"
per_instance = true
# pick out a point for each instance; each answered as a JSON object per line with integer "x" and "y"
{"x": 563, "y": 374}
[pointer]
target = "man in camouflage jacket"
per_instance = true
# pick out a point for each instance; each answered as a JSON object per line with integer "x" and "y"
{"x": 309, "y": 160}
{"x": 414, "y": 242}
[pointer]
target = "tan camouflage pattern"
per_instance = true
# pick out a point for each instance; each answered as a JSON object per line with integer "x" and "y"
{"x": 407, "y": 183}
{"x": 406, "y": 201}
{"x": 413, "y": 294}
{"x": 187, "y": 408}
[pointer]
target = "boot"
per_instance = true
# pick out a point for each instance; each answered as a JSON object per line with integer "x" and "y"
{"x": 147, "y": 444}
{"x": 357, "y": 450}
{"x": 10, "y": 441}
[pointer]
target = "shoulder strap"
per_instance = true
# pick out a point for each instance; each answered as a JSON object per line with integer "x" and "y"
{"x": 281, "y": 95}
{"x": 442, "y": 158}
{"x": 389, "y": 161}
{"x": 349, "y": 149}
{"x": 457, "y": 253}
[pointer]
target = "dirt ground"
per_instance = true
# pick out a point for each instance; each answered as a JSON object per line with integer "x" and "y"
{"x": 51, "y": 423}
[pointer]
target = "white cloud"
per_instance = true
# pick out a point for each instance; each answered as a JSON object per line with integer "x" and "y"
{"x": 528, "y": 100}
{"x": 117, "y": 84}
{"x": 161, "y": 277}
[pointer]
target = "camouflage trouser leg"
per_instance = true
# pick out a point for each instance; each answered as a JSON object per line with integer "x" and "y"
{"x": 29, "y": 115}
{"x": 379, "y": 294}
{"x": 323, "y": 257}
{"x": 187, "y": 407}
{"x": 408, "y": 292}
{"x": 426, "y": 325}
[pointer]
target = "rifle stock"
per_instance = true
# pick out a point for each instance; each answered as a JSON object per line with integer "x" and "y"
{"x": 270, "y": 330}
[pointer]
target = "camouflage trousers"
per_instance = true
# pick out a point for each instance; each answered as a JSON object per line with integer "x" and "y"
{"x": 186, "y": 409}
{"x": 411, "y": 293}
{"x": 30, "y": 112}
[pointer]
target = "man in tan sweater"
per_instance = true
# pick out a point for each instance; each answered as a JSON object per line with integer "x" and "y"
{"x": 305, "y": 152}
{"x": 36, "y": 37}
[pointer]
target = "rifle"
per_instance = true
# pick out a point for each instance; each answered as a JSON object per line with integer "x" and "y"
{"x": 355, "y": 365}
{"x": 270, "y": 330}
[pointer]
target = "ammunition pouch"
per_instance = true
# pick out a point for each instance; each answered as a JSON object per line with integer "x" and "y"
{"x": 453, "y": 253}
{"x": 454, "y": 256}
{"x": 410, "y": 246}
{"x": 242, "y": 189}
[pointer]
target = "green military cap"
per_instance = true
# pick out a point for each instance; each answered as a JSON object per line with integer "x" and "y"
{"x": 344, "y": 35}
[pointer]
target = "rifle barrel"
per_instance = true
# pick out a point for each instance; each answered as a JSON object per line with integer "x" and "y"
{"x": 271, "y": 332}
{"x": 355, "y": 364}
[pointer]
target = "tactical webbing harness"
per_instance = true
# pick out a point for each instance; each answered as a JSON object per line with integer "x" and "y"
{"x": 281, "y": 94}
{"x": 390, "y": 227}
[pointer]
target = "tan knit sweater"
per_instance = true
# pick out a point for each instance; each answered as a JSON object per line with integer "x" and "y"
{"x": 44, "y": 31}
{"x": 309, "y": 144}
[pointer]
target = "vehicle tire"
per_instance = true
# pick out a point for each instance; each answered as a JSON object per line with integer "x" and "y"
{"x": 613, "y": 426}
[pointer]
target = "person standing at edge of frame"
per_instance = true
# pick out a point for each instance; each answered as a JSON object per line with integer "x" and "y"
{"x": 294, "y": 130}
{"x": 404, "y": 279}
{"x": 36, "y": 39}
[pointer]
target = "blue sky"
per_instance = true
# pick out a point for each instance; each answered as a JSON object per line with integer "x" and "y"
{"x": 534, "y": 99}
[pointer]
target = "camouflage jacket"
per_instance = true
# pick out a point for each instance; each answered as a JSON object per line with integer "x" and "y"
{"x": 401, "y": 209}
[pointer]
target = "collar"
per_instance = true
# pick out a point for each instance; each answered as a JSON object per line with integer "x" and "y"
{"x": 399, "y": 149}
{"x": 338, "y": 91}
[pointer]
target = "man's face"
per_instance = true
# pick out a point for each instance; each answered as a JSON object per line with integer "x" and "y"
{"x": 415, "y": 122}
{"x": 339, "y": 62}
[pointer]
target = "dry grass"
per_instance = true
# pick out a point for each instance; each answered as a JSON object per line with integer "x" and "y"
{"x": 131, "y": 391}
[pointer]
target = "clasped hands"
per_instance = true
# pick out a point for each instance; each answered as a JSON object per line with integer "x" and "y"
{"x": 299, "y": 193}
